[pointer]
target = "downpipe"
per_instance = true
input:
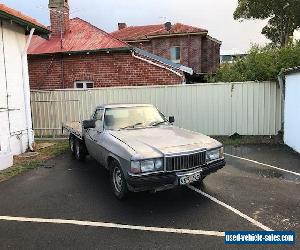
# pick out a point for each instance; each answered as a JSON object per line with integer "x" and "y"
{"x": 26, "y": 91}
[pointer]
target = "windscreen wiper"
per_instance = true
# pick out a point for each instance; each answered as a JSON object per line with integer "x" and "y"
{"x": 154, "y": 124}
{"x": 132, "y": 126}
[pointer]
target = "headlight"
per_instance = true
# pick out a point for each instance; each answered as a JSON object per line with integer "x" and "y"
{"x": 215, "y": 154}
{"x": 158, "y": 164}
{"x": 135, "y": 167}
{"x": 145, "y": 166}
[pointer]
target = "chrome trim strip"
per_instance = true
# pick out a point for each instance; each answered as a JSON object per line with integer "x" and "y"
{"x": 145, "y": 174}
{"x": 175, "y": 171}
{"x": 186, "y": 153}
{"x": 179, "y": 175}
{"x": 186, "y": 169}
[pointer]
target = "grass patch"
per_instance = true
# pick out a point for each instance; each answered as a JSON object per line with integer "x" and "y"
{"x": 23, "y": 163}
{"x": 238, "y": 140}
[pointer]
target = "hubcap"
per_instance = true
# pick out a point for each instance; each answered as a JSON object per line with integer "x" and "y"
{"x": 117, "y": 179}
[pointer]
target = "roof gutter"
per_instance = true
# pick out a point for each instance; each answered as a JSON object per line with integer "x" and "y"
{"x": 122, "y": 49}
{"x": 41, "y": 31}
{"x": 282, "y": 80}
{"x": 165, "y": 35}
{"x": 178, "y": 34}
{"x": 291, "y": 71}
{"x": 214, "y": 40}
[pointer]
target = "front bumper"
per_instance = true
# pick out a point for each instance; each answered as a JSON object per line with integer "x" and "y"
{"x": 164, "y": 181}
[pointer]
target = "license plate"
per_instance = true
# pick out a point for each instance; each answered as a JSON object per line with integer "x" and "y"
{"x": 190, "y": 178}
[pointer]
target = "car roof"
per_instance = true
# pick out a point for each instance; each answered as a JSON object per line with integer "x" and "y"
{"x": 124, "y": 105}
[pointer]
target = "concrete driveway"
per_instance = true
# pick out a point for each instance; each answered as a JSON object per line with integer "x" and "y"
{"x": 69, "y": 205}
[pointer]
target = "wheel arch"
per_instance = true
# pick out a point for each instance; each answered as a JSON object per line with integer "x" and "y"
{"x": 110, "y": 159}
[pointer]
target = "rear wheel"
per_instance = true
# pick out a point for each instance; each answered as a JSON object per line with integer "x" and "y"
{"x": 71, "y": 143}
{"x": 118, "y": 181}
{"x": 79, "y": 150}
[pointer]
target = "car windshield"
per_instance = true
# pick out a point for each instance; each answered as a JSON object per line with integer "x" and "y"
{"x": 132, "y": 117}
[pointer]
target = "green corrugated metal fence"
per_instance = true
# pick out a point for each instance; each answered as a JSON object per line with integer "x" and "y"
{"x": 249, "y": 108}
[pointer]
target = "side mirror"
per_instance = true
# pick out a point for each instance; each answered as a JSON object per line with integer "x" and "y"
{"x": 171, "y": 119}
{"x": 89, "y": 124}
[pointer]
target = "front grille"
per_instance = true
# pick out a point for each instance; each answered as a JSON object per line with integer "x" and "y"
{"x": 183, "y": 162}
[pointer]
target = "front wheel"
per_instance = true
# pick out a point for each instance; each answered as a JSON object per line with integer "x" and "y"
{"x": 199, "y": 183}
{"x": 118, "y": 181}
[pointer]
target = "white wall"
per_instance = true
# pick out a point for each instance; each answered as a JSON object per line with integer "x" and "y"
{"x": 296, "y": 35}
{"x": 292, "y": 111}
{"x": 13, "y": 128}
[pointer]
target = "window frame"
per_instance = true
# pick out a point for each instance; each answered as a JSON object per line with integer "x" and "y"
{"x": 94, "y": 115}
{"x": 101, "y": 120}
{"x": 84, "y": 85}
{"x": 175, "y": 60}
{"x": 105, "y": 110}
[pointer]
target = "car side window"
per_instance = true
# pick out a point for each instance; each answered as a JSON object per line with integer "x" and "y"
{"x": 98, "y": 116}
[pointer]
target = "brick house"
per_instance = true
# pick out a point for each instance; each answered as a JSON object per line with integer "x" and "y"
{"x": 190, "y": 46}
{"x": 80, "y": 55}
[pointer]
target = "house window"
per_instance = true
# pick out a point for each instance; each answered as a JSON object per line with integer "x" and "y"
{"x": 175, "y": 54}
{"x": 83, "y": 85}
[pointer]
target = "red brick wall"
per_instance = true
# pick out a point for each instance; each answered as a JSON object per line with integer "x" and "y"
{"x": 106, "y": 70}
{"x": 59, "y": 23}
{"x": 211, "y": 56}
{"x": 203, "y": 58}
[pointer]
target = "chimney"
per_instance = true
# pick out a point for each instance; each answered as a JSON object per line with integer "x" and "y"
{"x": 59, "y": 17}
{"x": 168, "y": 26}
{"x": 122, "y": 26}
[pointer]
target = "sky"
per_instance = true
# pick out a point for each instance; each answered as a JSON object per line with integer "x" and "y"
{"x": 214, "y": 15}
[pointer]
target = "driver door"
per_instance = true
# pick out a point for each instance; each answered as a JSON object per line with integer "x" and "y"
{"x": 94, "y": 136}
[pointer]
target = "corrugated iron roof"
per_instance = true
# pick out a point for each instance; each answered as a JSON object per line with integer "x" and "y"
{"x": 164, "y": 61}
{"x": 133, "y": 33}
{"x": 23, "y": 20}
{"x": 82, "y": 36}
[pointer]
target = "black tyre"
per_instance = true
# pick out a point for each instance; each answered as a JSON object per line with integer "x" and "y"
{"x": 199, "y": 184}
{"x": 118, "y": 181}
{"x": 71, "y": 144}
{"x": 79, "y": 150}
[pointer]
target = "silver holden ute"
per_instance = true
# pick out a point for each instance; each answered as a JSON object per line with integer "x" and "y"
{"x": 142, "y": 150}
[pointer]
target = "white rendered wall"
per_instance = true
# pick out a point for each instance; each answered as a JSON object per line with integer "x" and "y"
{"x": 292, "y": 111}
{"x": 13, "y": 126}
{"x": 296, "y": 35}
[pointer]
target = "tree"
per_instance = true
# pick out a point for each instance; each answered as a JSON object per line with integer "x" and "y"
{"x": 261, "y": 64}
{"x": 283, "y": 15}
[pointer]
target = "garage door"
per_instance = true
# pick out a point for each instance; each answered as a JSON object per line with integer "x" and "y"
{"x": 292, "y": 110}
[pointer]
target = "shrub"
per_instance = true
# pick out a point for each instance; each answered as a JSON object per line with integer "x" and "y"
{"x": 261, "y": 64}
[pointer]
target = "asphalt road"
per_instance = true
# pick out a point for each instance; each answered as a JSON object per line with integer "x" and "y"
{"x": 70, "y": 193}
